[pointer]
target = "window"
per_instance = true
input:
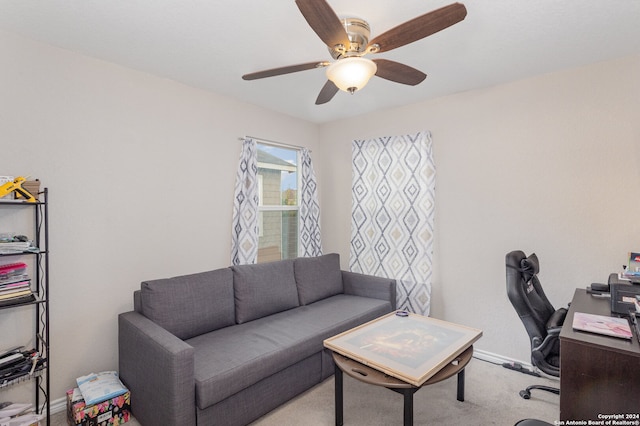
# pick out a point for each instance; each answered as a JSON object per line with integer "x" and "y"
{"x": 279, "y": 203}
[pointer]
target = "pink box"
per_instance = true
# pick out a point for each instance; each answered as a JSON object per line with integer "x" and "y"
{"x": 112, "y": 412}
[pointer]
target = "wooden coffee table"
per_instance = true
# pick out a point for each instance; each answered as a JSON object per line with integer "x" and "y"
{"x": 402, "y": 354}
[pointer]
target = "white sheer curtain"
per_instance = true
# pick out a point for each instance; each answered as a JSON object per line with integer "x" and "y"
{"x": 244, "y": 238}
{"x": 392, "y": 217}
{"x": 310, "y": 241}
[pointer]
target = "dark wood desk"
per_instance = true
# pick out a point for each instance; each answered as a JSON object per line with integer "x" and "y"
{"x": 599, "y": 375}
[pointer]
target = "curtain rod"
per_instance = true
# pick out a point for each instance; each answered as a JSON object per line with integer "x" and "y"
{"x": 276, "y": 143}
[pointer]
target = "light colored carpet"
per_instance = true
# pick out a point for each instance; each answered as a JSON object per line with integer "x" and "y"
{"x": 491, "y": 398}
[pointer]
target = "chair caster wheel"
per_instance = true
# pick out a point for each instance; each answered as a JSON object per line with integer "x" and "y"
{"x": 525, "y": 394}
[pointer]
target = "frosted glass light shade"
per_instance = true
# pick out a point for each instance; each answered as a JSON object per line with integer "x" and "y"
{"x": 351, "y": 74}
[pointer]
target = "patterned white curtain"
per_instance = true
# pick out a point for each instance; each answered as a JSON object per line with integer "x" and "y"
{"x": 244, "y": 238}
{"x": 310, "y": 242}
{"x": 392, "y": 216}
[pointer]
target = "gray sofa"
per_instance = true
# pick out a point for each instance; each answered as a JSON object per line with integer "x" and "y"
{"x": 227, "y": 346}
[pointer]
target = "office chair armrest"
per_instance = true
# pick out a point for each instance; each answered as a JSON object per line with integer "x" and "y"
{"x": 555, "y": 332}
{"x": 540, "y": 352}
{"x": 548, "y": 343}
{"x": 556, "y": 319}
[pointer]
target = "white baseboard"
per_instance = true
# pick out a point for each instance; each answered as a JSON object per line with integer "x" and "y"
{"x": 59, "y": 405}
{"x": 497, "y": 359}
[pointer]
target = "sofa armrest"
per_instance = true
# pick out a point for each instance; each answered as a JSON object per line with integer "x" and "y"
{"x": 370, "y": 286}
{"x": 158, "y": 369}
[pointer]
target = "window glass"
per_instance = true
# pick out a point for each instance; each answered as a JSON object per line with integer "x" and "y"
{"x": 278, "y": 191}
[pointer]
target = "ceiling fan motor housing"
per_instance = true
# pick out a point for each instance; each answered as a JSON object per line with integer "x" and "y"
{"x": 358, "y": 31}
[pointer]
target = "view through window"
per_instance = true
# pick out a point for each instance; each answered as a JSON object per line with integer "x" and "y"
{"x": 278, "y": 208}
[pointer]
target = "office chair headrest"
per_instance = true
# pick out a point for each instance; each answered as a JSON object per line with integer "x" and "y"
{"x": 530, "y": 267}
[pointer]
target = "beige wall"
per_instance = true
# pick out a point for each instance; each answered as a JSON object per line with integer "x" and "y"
{"x": 141, "y": 173}
{"x": 548, "y": 165}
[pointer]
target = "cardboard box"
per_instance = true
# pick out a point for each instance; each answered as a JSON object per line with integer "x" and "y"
{"x": 112, "y": 412}
{"x": 33, "y": 186}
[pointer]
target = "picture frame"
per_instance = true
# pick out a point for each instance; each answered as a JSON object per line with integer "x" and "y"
{"x": 411, "y": 348}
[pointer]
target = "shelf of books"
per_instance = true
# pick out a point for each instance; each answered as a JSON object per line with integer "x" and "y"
{"x": 24, "y": 291}
{"x": 15, "y": 285}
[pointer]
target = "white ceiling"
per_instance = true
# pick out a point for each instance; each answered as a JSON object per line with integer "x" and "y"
{"x": 210, "y": 44}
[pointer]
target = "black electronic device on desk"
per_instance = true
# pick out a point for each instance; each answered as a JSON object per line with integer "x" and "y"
{"x": 623, "y": 295}
{"x": 598, "y": 288}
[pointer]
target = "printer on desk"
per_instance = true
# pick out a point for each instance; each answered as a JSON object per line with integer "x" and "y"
{"x": 623, "y": 294}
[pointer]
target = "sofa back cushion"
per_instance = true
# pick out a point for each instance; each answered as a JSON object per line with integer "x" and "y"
{"x": 263, "y": 289}
{"x": 318, "y": 277}
{"x": 190, "y": 305}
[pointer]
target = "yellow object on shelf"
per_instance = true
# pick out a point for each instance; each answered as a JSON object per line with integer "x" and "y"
{"x": 16, "y": 186}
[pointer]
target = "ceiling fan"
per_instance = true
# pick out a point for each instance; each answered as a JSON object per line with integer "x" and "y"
{"x": 348, "y": 41}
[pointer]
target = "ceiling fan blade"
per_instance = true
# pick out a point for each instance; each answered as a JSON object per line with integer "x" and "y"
{"x": 420, "y": 27}
{"x": 400, "y": 73}
{"x": 324, "y": 21}
{"x": 284, "y": 70}
{"x": 327, "y": 93}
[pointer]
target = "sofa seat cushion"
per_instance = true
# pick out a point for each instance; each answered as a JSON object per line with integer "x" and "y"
{"x": 190, "y": 305}
{"x": 231, "y": 359}
{"x": 263, "y": 289}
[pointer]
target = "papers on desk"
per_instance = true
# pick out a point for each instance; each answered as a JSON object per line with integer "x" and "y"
{"x": 600, "y": 324}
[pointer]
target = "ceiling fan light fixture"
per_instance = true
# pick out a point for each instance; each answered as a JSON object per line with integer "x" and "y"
{"x": 351, "y": 74}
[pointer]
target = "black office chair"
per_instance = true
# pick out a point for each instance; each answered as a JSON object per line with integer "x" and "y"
{"x": 532, "y": 422}
{"x": 541, "y": 320}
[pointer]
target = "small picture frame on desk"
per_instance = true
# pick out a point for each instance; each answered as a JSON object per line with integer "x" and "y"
{"x": 632, "y": 269}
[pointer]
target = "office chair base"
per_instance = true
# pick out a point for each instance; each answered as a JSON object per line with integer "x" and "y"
{"x": 526, "y": 393}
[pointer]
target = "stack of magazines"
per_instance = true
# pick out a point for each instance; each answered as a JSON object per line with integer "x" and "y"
{"x": 16, "y": 363}
{"x": 18, "y": 414}
{"x": 16, "y": 244}
{"x": 15, "y": 284}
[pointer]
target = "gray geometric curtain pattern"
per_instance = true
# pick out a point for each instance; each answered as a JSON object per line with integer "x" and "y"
{"x": 392, "y": 215}
{"x": 244, "y": 237}
{"x": 310, "y": 242}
